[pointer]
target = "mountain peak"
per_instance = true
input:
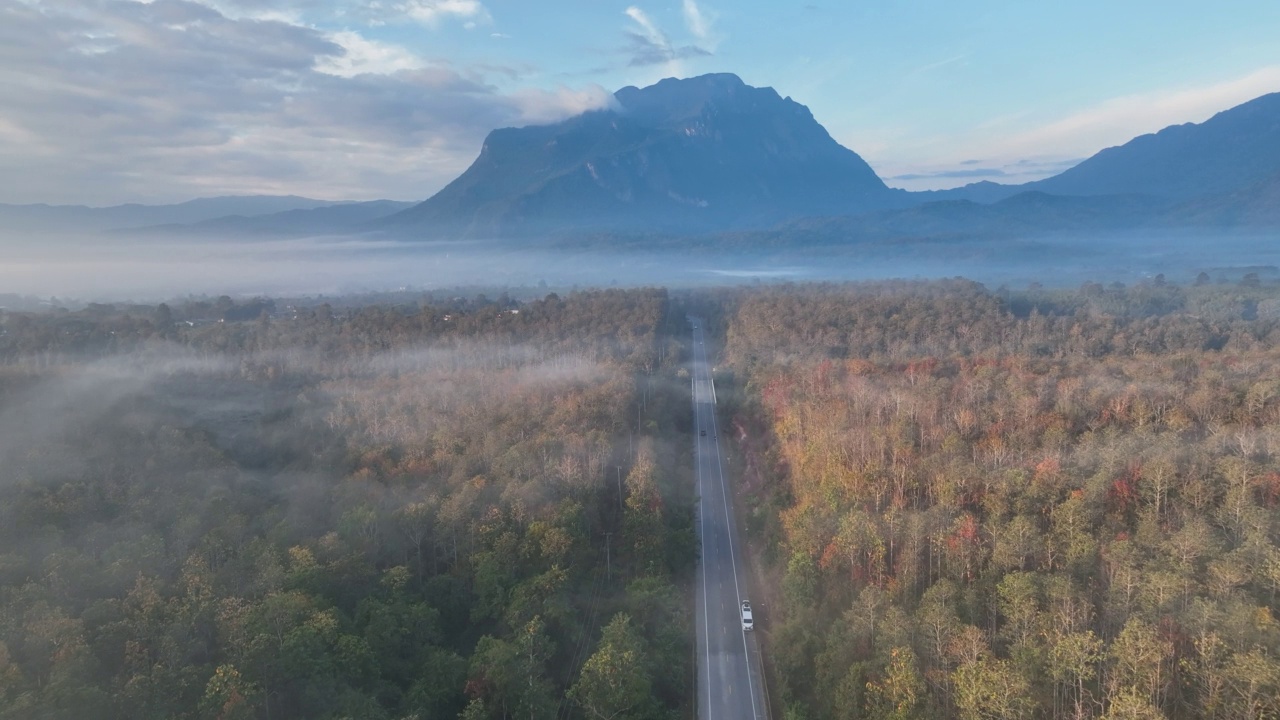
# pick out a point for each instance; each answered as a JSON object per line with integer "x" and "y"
{"x": 678, "y": 99}
{"x": 692, "y": 154}
{"x": 711, "y": 82}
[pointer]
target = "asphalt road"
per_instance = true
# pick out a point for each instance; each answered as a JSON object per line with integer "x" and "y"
{"x": 729, "y": 679}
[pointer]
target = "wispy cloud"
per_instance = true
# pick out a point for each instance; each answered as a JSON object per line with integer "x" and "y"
{"x": 362, "y": 56}
{"x": 128, "y": 101}
{"x": 649, "y": 45}
{"x": 696, "y": 20}
{"x": 1117, "y": 120}
{"x": 966, "y": 173}
{"x": 930, "y": 67}
{"x": 431, "y": 12}
{"x": 1023, "y": 150}
{"x": 548, "y": 106}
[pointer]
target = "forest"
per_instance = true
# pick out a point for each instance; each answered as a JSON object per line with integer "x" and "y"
{"x": 960, "y": 502}
{"x": 972, "y": 503}
{"x": 445, "y": 508}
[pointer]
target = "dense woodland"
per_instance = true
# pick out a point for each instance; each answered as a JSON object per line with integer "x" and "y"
{"x": 1034, "y": 504}
{"x": 962, "y": 503}
{"x": 464, "y": 508}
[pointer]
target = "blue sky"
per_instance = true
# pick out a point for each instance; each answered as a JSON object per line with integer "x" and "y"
{"x": 114, "y": 101}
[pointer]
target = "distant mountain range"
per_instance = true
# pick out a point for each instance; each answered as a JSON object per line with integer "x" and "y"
{"x": 712, "y": 155}
{"x": 255, "y": 214}
{"x": 1227, "y": 153}
{"x": 332, "y": 219}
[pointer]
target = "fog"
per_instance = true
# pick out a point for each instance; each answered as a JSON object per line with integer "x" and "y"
{"x": 102, "y": 268}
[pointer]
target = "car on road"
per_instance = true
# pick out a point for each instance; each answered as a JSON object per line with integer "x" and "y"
{"x": 747, "y": 623}
{"x": 703, "y": 433}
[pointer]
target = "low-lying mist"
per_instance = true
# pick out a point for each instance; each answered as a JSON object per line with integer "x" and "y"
{"x": 99, "y": 268}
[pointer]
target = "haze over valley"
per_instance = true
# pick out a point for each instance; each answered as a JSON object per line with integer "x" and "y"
{"x": 685, "y": 182}
{"x": 492, "y": 360}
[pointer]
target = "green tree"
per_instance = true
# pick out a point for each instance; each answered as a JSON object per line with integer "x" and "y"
{"x": 989, "y": 689}
{"x": 901, "y": 693}
{"x": 615, "y": 683}
{"x": 228, "y": 696}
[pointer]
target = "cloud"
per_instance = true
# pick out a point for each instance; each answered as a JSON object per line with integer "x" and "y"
{"x": 648, "y": 30}
{"x": 930, "y": 67}
{"x": 126, "y": 101}
{"x": 1117, "y": 120}
{"x": 365, "y": 56}
{"x": 649, "y": 45}
{"x": 696, "y": 20}
{"x": 1025, "y": 150}
{"x": 431, "y": 12}
{"x": 965, "y": 173}
{"x": 941, "y": 175}
{"x": 1039, "y": 165}
{"x": 539, "y": 107}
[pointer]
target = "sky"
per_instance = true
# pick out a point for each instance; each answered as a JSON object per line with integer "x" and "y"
{"x": 112, "y": 101}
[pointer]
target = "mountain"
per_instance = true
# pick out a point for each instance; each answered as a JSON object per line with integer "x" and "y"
{"x": 1255, "y": 206}
{"x": 326, "y": 220}
{"x": 1023, "y": 215}
{"x": 697, "y": 154}
{"x": 1229, "y": 152}
{"x": 81, "y": 218}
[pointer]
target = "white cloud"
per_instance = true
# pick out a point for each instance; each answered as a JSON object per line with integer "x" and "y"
{"x": 700, "y": 22}
{"x": 1023, "y": 150}
{"x": 365, "y": 56}
{"x": 185, "y": 101}
{"x": 538, "y": 107}
{"x": 1116, "y": 121}
{"x": 697, "y": 22}
{"x": 649, "y": 45}
{"x": 648, "y": 28}
{"x": 431, "y": 12}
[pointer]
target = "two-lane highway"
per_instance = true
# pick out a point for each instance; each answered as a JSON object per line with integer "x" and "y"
{"x": 729, "y": 680}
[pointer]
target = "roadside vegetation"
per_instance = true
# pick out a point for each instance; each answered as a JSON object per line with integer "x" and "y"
{"x": 1000, "y": 504}
{"x": 452, "y": 508}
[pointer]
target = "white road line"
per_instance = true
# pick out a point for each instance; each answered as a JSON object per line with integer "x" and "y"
{"x": 702, "y": 521}
{"x": 733, "y": 560}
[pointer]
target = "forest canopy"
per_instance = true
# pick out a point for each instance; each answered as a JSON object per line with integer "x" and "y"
{"x": 239, "y": 509}
{"x": 1035, "y": 504}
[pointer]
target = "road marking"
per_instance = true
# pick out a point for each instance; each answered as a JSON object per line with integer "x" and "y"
{"x": 702, "y": 522}
{"x": 703, "y": 388}
{"x": 733, "y": 560}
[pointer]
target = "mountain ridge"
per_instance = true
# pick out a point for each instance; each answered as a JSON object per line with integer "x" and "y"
{"x": 699, "y": 154}
{"x": 1230, "y": 151}
{"x": 711, "y": 154}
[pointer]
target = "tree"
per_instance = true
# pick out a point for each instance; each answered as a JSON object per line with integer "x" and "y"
{"x": 1131, "y": 704}
{"x": 1140, "y": 660}
{"x": 1254, "y": 681}
{"x": 510, "y": 675}
{"x": 1073, "y": 663}
{"x": 228, "y": 696}
{"x": 988, "y": 689}
{"x": 901, "y": 693}
{"x": 615, "y": 682}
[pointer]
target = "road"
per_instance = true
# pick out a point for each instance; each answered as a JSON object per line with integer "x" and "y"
{"x": 729, "y": 679}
